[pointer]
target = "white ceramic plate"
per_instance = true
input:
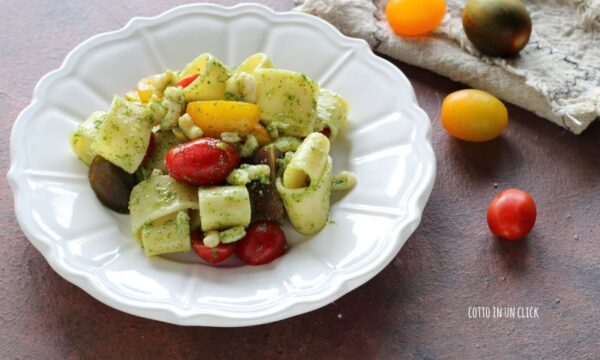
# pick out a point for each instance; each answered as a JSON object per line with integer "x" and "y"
{"x": 387, "y": 144}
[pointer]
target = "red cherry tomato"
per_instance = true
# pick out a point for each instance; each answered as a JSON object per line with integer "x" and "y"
{"x": 211, "y": 255}
{"x": 201, "y": 162}
{"x": 263, "y": 243}
{"x": 185, "y": 82}
{"x": 150, "y": 149}
{"x": 511, "y": 214}
{"x": 326, "y": 131}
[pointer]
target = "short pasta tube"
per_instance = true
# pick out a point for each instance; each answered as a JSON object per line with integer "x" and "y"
{"x": 210, "y": 84}
{"x": 332, "y": 112}
{"x": 168, "y": 234}
{"x": 157, "y": 197}
{"x": 288, "y": 98}
{"x": 223, "y": 207}
{"x": 254, "y": 62}
{"x": 81, "y": 139}
{"x": 306, "y": 185}
{"x": 309, "y": 162}
{"x": 308, "y": 207}
{"x": 124, "y": 135}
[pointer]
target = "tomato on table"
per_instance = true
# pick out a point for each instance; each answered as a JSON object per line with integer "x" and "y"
{"x": 512, "y": 214}
{"x": 474, "y": 115}
{"x": 211, "y": 255}
{"x": 201, "y": 162}
{"x": 263, "y": 243}
{"x": 415, "y": 17}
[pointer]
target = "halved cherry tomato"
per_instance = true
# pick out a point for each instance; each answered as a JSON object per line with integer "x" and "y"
{"x": 201, "y": 162}
{"x": 211, "y": 255}
{"x": 512, "y": 214}
{"x": 263, "y": 243}
{"x": 186, "y": 81}
{"x": 415, "y": 17}
{"x": 219, "y": 116}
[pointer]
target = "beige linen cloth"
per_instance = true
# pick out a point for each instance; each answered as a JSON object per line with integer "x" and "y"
{"x": 557, "y": 75}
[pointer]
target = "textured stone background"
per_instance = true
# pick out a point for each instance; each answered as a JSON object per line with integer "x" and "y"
{"x": 416, "y": 308}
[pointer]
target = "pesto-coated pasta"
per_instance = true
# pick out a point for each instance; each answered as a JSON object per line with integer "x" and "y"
{"x": 163, "y": 141}
{"x": 305, "y": 187}
{"x": 241, "y": 87}
{"x": 210, "y": 84}
{"x": 344, "y": 180}
{"x": 195, "y": 66}
{"x": 308, "y": 207}
{"x": 124, "y": 135}
{"x": 289, "y": 98}
{"x": 309, "y": 162}
{"x": 81, "y": 139}
{"x": 332, "y": 112}
{"x": 232, "y": 234}
{"x": 223, "y": 207}
{"x": 168, "y": 234}
{"x": 254, "y": 62}
{"x": 156, "y": 197}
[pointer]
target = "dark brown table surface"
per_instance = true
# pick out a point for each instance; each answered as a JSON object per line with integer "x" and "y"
{"x": 416, "y": 308}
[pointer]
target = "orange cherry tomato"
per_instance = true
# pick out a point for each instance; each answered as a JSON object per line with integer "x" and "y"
{"x": 415, "y": 17}
{"x": 474, "y": 115}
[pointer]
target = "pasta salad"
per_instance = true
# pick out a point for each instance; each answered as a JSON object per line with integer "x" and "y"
{"x": 213, "y": 160}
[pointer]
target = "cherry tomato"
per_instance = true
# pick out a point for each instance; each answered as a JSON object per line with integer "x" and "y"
{"x": 474, "y": 115}
{"x": 150, "y": 149}
{"x": 263, "y": 243}
{"x": 211, "y": 255}
{"x": 201, "y": 162}
{"x": 415, "y": 17}
{"x": 511, "y": 214}
{"x": 185, "y": 82}
{"x": 326, "y": 131}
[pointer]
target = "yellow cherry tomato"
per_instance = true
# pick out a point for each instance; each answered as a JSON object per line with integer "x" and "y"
{"x": 474, "y": 115}
{"x": 217, "y": 117}
{"x": 415, "y": 17}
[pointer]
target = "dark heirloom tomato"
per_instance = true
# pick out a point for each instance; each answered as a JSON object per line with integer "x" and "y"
{"x": 263, "y": 243}
{"x": 497, "y": 28}
{"x": 201, "y": 162}
{"x": 264, "y": 199}
{"x": 151, "y": 148}
{"x": 111, "y": 184}
{"x": 511, "y": 215}
{"x": 211, "y": 255}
